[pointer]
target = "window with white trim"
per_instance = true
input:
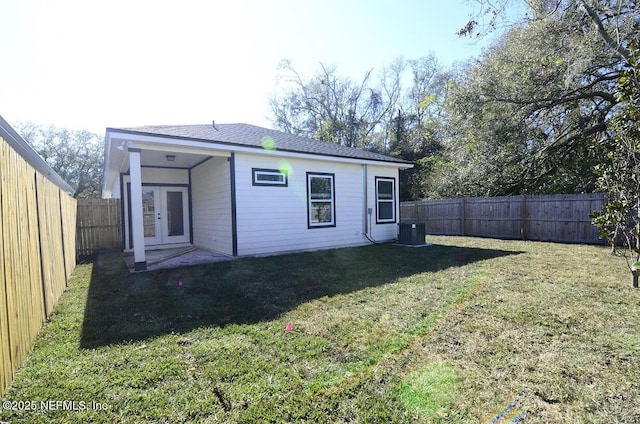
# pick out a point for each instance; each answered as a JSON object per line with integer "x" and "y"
{"x": 321, "y": 205}
{"x": 269, "y": 177}
{"x": 385, "y": 200}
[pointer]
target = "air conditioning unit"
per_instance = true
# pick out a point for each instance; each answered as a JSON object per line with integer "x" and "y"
{"x": 411, "y": 233}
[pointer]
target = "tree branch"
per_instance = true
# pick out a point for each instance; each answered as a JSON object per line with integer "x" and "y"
{"x": 603, "y": 32}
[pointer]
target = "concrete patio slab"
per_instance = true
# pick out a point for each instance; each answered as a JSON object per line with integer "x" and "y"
{"x": 176, "y": 257}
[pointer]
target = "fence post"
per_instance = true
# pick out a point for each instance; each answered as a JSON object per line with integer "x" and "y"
{"x": 523, "y": 218}
{"x": 463, "y": 216}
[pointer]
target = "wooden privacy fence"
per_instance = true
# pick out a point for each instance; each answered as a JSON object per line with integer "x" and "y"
{"x": 37, "y": 252}
{"x": 98, "y": 226}
{"x": 558, "y": 218}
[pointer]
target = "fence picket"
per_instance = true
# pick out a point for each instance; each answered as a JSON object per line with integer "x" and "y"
{"x": 98, "y": 226}
{"x": 558, "y": 218}
{"x": 35, "y": 259}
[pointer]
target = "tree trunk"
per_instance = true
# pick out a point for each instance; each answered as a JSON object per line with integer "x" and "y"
{"x": 634, "y": 278}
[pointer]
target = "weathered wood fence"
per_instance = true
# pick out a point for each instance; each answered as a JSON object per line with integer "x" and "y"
{"x": 37, "y": 249}
{"x": 98, "y": 226}
{"x": 558, "y": 218}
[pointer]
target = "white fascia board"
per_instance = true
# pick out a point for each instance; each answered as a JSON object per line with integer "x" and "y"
{"x": 110, "y": 172}
{"x": 213, "y": 149}
{"x": 157, "y": 142}
{"x": 106, "y": 191}
{"x": 325, "y": 158}
{"x": 178, "y": 148}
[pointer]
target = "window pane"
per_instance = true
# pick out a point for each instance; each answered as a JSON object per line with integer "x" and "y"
{"x": 320, "y": 212}
{"x": 385, "y": 190}
{"x": 385, "y": 210}
{"x": 385, "y": 196}
{"x": 270, "y": 178}
{"x": 175, "y": 218}
{"x": 321, "y": 200}
{"x": 148, "y": 213}
{"x": 320, "y": 187}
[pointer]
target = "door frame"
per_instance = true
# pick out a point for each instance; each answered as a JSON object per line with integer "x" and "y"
{"x": 162, "y": 237}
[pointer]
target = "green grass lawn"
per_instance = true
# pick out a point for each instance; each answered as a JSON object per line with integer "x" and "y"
{"x": 452, "y": 332}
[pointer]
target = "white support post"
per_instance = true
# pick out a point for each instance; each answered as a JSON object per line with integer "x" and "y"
{"x": 137, "y": 220}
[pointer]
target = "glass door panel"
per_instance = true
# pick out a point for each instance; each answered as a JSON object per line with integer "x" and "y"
{"x": 165, "y": 215}
{"x": 175, "y": 215}
{"x": 151, "y": 216}
{"x": 149, "y": 213}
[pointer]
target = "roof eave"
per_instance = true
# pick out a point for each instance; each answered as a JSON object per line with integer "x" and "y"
{"x": 258, "y": 149}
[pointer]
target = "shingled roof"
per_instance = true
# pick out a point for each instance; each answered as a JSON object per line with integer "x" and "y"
{"x": 261, "y": 138}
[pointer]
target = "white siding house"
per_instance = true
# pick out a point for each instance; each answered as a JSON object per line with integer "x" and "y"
{"x": 211, "y": 205}
{"x": 243, "y": 190}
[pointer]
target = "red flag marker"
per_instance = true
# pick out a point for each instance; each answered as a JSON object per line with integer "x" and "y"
{"x": 288, "y": 328}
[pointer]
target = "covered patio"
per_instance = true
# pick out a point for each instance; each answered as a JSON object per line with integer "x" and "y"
{"x": 154, "y": 177}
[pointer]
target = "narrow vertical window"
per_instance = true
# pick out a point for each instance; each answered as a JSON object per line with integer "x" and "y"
{"x": 321, "y": 200}
{"x": 175, "y": 215}
{"x": 385, "y": 200}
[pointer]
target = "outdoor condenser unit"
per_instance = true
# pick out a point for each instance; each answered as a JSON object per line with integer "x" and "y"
{"x": 411, "y": 233}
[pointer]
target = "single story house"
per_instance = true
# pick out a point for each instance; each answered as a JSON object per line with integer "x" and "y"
{"x": 243, "y": 190}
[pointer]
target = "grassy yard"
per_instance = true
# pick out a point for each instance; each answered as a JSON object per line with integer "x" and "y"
{"x": 453, "y": 332}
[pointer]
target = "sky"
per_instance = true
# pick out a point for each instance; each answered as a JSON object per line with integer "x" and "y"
{"x": 95, "y": 64}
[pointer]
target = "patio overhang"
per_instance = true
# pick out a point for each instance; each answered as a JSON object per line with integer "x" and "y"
{"x": 128, "y": 154}
{"x": 153, "y": 153}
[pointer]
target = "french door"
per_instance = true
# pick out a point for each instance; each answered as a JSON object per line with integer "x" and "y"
{"x": 165, "y": 215}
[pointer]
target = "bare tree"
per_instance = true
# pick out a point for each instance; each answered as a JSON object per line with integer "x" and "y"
{"x": 336, "y": 109}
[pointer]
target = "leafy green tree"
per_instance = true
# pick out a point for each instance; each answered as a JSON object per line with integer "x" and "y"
{"x": 619, "y": 219}
{"x": 486, "y": 144}
{"x": 76, "y": 155}
{"x": 416, "y": 131}
{"x": 522, "y": 118}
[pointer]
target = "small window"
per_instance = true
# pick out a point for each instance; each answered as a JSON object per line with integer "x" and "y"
{"x": 385, "y": 200}
{"x": 269, "y": 177}
{"x": 321, "y": 200}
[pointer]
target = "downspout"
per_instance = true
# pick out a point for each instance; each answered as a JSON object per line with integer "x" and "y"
{"x": 234, "y": 212}
{"x": 189, "y": 195}
{"x": 366, "y": 213}
{"x": 365, "y": 201}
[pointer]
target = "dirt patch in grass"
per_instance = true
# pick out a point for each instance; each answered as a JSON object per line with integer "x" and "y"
{"x": 448, "y": 333}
